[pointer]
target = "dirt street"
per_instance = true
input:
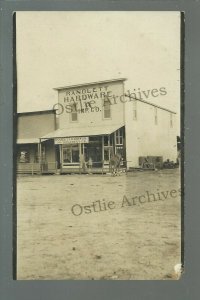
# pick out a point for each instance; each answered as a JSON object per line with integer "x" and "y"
{"x": 133, "y": 239}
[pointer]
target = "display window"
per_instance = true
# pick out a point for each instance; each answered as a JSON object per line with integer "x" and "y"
{"x": 70, "y": 154}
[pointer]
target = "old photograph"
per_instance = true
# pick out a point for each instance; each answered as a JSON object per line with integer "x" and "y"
{"x": 98, "y": 145}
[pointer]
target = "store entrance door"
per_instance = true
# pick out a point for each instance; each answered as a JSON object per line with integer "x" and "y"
{"x": 93, "y": 151}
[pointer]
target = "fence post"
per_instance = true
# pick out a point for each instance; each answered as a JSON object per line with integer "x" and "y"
{"x": 32, "y": 169}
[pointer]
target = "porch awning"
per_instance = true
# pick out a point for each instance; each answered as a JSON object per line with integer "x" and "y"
{"x": 82, "y": 131}
{"x": 28, "y": 141}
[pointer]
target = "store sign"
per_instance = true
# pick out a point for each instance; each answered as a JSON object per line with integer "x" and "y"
{"x": 72, "y": 140}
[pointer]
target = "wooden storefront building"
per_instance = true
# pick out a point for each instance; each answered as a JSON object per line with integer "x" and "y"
{"x": 89, "y": 124}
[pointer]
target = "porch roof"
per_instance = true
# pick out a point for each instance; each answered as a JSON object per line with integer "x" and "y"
{"x": 82, "y": 131}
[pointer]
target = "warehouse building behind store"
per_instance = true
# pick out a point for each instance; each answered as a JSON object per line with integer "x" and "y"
{"x": 89, "y": 124}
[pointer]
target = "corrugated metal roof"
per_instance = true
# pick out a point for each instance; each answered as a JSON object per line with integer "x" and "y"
{"x": 82, "y": 131}
{"x": 89, "y": 83}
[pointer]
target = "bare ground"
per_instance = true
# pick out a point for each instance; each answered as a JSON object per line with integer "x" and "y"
{"x": 140, "y": 241}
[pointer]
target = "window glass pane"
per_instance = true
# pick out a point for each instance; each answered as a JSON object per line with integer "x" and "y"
{"x": 119, "y": 137}
{"x": 106, "y": 113}
{"x": 74, "y": 116}
{"x": 67, "y": 155}
{"x": 107, "y": 109}
{"x": 106, "y": 154}
{"x": 75, "y": 154}
{"x": 106, "y": 140}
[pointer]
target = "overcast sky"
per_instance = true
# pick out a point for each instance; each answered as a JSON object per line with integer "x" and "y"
{"x": 66, "y": 48}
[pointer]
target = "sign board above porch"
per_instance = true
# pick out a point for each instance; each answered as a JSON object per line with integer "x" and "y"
{"x": 71, "y": 140}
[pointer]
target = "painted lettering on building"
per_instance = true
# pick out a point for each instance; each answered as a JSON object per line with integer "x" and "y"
{"x": 72, "y": 140}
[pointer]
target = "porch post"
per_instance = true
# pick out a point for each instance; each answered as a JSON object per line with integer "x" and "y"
{"x": 40, "y": 156}
{"x": 102, "y": 147}
{"x": 80, "y": 155}
{"x": 61, "y": 160}
{"x": 102, "y": 141}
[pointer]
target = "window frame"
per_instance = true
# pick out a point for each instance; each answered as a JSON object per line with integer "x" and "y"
{"x": 70, "y": 148}
{"x": 119, "y": 137}
{"x": 74, "y": 111}
{"x": 104, "y": 108}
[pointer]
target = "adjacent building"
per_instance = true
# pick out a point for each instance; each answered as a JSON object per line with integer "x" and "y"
{"x": 34, "y": 156}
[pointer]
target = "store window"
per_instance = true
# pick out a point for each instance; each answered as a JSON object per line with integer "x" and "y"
{"x": 106, "y": 109}
{"x": 71, "y": 154}
{"x": 119, "y": 137}
{"x": 74, "y": 114}
{"x": 134, "y": 109}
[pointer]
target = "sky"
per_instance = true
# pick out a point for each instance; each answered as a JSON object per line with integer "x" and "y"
{"x": 66, "y": 48}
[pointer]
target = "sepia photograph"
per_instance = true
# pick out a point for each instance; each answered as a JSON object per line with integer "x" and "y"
{"x": 97, "y": 150}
